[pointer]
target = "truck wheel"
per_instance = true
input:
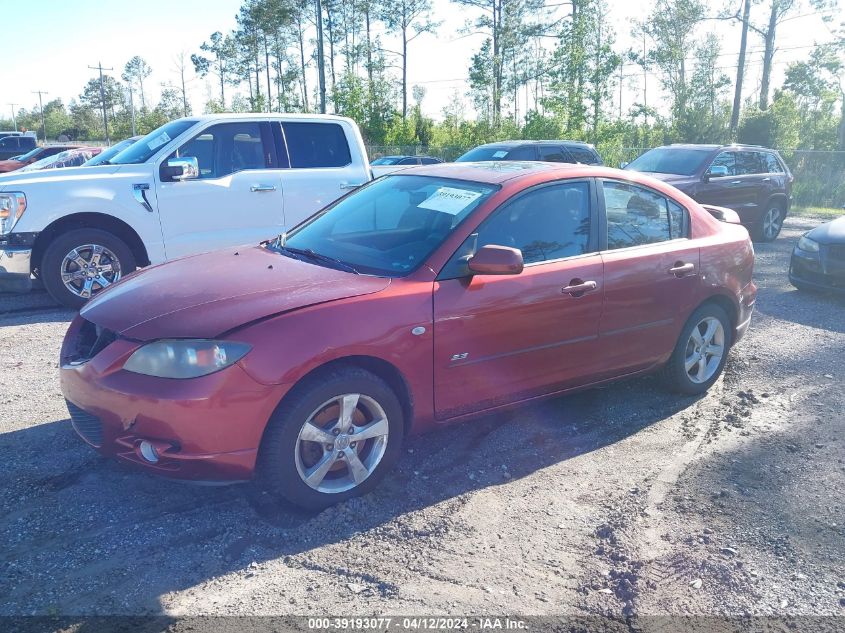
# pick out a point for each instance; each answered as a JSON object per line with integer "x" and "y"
{"x": 80, "y": 263}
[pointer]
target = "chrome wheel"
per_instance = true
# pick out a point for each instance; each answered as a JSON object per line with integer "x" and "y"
{"x": 771, "y": 223}
{"x": 341, "y": 443}
{"x": 89, "y": 268}
{"x": 704, "y": 350}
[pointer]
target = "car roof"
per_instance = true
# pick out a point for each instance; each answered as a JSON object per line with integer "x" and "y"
{"x": 713, "y": 146}
{"x": 269, "y": 115}
{"x": 496, "y": 172}
{"x": 534, "y": 142}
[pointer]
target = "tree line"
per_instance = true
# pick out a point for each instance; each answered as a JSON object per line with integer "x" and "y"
{"x": 544, "y": 69}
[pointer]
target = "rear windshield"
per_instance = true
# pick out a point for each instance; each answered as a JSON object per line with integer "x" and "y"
{"x": 480, "y": 154}
{"x": 670, "y": 160}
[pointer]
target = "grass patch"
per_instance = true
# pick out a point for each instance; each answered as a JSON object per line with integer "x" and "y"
{"x": 827, "y": 213}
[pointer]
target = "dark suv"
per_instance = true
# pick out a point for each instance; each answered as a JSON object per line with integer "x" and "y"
{"x": 552, "y": 151}
{"x": 751, "y": 180}
{"x": 15, "y": 145}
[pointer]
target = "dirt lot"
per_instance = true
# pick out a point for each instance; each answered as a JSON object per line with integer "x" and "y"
{"x": 617, "y": 501}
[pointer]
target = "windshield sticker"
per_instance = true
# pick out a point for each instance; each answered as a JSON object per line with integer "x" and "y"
{"x": 158, "y": 141}
{"x": 449, "y": 200}
{"x": 500, "y": 154}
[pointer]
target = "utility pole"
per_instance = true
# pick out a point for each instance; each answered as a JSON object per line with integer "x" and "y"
{"x": 740, "y": 68}
{"x": 621, "y": 77}
{"x": 321, "y": 69}
{"x": 99, "y": 67}
{"x": 645, "y": 84}
{"x": 14, "y": 120}
{"x": 40, "y": 93}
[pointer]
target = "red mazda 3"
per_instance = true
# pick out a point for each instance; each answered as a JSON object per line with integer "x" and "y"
{"x": 423, "y": 298}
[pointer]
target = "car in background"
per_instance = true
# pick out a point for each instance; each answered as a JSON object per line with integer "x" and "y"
{"x": 389, "y": 164}
{"x": 818, "y": 260}
{"x": 426, "y": 297}
{"x": 34, "y": 155}
{"x": 68, "y": 158}
{"x": 106, "y": 155}
{"x": 549, "y": 151}
{"x": 753, "y": 181}
{"x": 16, "y": 145}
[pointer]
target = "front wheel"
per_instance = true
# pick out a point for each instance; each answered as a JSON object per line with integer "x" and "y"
{"x": 81, "y": 262}
{"x": 334, "y": 437}
{"x": 701, "y": 351}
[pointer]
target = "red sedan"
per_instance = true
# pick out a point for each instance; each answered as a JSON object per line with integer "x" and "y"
{"x": 423, "y": 298}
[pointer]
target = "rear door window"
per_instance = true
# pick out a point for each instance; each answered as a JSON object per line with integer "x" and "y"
{"x": 748, "y": 163}
{"x": 316, "y": 145}
{"x": 584, "y": 155}
{"x": 554, "y": 154}
{"x": 636, "y": 215}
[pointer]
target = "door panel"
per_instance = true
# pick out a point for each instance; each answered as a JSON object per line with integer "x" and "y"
{"x": 236, "y": 199}
{"x": 503, "y": 339}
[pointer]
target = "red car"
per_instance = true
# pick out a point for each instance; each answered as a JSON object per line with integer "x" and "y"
{"x": 423, "y": 298}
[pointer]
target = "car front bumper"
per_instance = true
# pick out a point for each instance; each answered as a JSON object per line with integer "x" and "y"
{"x": 205, "y": 429}
{"x": 818, "y": 271}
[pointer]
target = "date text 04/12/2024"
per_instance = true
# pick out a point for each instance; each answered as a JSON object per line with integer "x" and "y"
{"x": 417, "y": 623}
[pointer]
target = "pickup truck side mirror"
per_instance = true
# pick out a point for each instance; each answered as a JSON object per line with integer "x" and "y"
{"x": 496, "y": 260}
{"x": 186, "y": 168}
{"x": 716, "y": 171}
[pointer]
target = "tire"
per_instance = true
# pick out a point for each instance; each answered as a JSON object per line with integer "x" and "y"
{"x": 770, "y": 223}
{"x": 285, "y": 459}
{"x": 677, "y": 375}
{"x": 115, "y": 260}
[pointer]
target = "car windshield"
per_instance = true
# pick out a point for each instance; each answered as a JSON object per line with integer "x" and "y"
{"x": 30, "y": 154}
{"x": 142, "y": 150}
{"x": 46, "y": 162}
{"x": 670, "y": 160}
{"x": 106, "y": 155}
{"x": 386, "y": 160}
{"x": 387, "y": 228}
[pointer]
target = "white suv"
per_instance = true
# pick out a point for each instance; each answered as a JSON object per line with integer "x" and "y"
{"x": 193, "y": 185}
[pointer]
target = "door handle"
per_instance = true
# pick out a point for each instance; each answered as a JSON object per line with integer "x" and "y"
{"x": 736, "y": 182}
{"x": 576, "y": 287}
{"x": 350, "y": 185}
{"x": 767, "y": 179}
{"x": 681, "y": 269}
{"x": 262, "y": 188}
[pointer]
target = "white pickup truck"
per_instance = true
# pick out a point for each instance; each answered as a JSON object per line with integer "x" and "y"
{"x": 193, "y": 185}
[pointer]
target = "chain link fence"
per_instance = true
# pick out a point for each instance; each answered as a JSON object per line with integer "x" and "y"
{"x": 819, "y": 175}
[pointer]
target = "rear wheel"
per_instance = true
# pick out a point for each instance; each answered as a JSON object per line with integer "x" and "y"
{"x": 701, "y": 351}
{"x": 771, "y": 223}
{"x": 80, "y": 263}
{"x": 333, "y": 438}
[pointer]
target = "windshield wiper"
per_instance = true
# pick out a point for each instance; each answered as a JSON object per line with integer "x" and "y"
{"x": 279, "y": 244}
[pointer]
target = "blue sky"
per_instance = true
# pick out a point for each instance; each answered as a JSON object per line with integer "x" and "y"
{"x": 55, "y": 41}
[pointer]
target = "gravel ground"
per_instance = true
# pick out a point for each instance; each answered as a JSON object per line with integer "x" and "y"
{"x": 615, "y": 502}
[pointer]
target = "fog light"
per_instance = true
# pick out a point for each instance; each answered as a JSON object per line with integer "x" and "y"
{"x": 148, "y": 452}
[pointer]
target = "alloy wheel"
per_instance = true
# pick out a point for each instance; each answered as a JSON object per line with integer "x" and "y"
{"x": 771, "y": 223}
{"x": 89, "y": 268}
{"x": 704, "y": 350}
{"x": 341, "y": 443}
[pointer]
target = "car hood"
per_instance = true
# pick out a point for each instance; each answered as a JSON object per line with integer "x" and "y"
{"x": 204, "y": 296}
{"x": 58, "y": 175}
{"x": 829, "y": 232}
{"x": 672, "y": 179}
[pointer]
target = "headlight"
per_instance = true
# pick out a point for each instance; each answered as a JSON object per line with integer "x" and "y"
{"x": 808, "y": 245}
{"x": 12, "y": 206}
{"x": 184, "y": 358}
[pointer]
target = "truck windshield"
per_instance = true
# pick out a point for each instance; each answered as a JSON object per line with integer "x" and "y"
{"x": 147, "y": 146}
{"x": 670, "y": 160}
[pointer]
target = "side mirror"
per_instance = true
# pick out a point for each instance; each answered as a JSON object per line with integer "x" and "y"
{"x": 623, "y": 164}
{"x": 496, "y": 260}
{"x": 186, "y": 168}
{"x": 716, "y": 171}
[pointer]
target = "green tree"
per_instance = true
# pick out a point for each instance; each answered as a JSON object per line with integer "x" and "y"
{"x": 134, "y": 73}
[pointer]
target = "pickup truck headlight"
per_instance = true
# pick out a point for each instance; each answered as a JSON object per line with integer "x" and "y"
{"x": 184, "y": 358}
{"x": 12, "y": 206}
{"x": 807, "y": 245}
